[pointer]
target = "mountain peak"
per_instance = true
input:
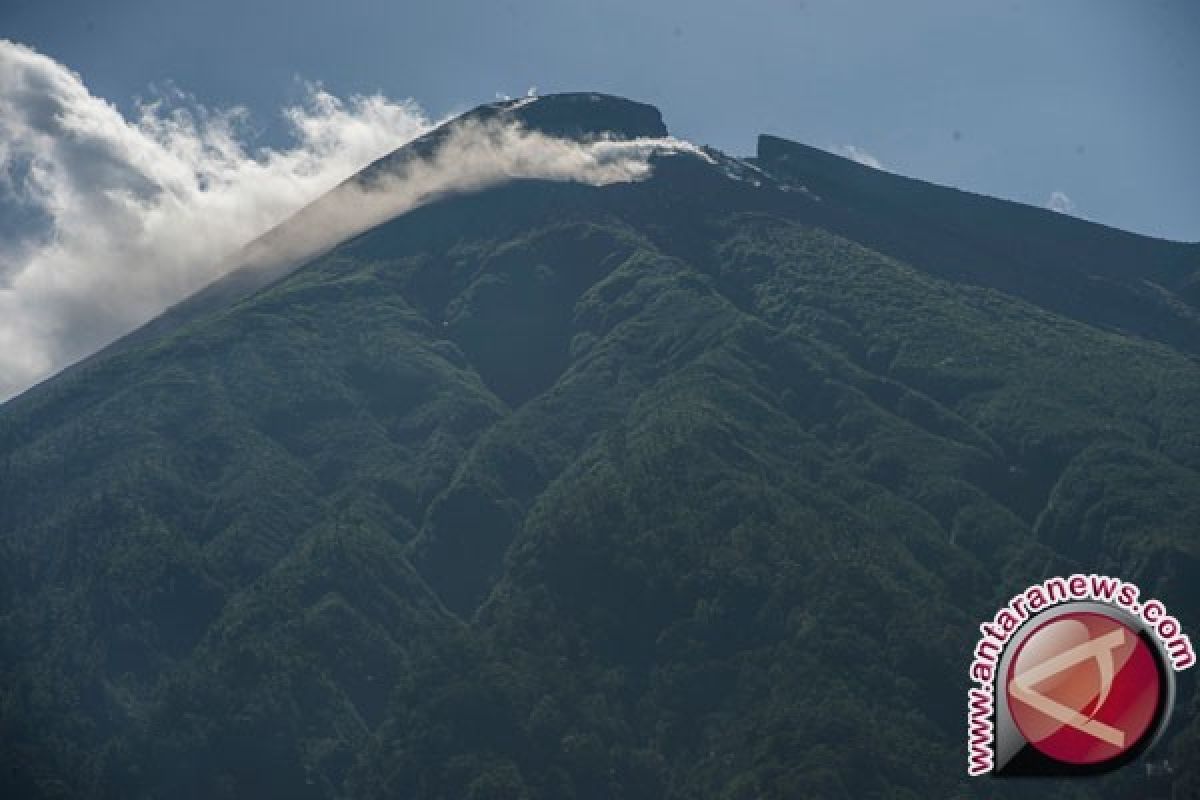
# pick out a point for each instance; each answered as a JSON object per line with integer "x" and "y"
{"x": 580, "y": 115}
{"x": 574, "y": 115}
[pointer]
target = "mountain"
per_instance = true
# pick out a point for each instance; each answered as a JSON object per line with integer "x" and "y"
{"x": 696, "y": 486}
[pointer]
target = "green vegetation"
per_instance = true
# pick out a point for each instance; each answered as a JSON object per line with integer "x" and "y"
{"x": 663, "y": 490}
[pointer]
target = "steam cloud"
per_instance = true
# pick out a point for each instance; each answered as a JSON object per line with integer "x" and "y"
{"x": 1060, "y": 202}
{"x": 104, "y": 221}
{"x": 473, "y": 156}
{"x": 859, "y": 155}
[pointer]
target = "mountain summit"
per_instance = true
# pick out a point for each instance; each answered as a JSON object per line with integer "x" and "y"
{"x": 576, "y": 115}
{"x": 691, "y": 482}
{"x": 580, "y": 116}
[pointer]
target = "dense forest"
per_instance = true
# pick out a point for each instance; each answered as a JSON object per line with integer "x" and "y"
{"x": 690, "y": 487}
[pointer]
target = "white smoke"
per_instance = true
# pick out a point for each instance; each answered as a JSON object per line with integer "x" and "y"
{"x": 473, "y": 156}
{"x": 860, "y": 156}
{"x": 107, "y": 221}
{"x": 1060, "y": 202}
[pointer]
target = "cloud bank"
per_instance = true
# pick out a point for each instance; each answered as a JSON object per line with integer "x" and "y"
{"x": 107, "y": 221}
{"x": 124, "y": 217}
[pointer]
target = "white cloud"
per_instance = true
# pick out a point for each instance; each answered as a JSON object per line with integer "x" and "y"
{"x": 126, "y": 217}
{"x": 1060, "y": 202}
{"x": 859, "y": 155}
{"x": 139, "y": 213}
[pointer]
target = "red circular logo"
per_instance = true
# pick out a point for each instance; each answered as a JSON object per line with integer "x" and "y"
{"x": 1084, "y": 688}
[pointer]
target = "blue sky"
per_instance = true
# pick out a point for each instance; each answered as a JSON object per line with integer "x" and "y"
{"x": 1021, "y": 99}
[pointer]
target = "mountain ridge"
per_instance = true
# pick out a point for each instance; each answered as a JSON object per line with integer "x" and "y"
{"x": 553, "y": 490}
{"x": 610, "y": 116}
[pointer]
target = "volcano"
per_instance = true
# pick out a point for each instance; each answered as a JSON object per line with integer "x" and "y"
{"x": 694, "y": 485}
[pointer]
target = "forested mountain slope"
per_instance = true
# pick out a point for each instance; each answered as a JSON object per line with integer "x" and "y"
{"x": 690, "y": 487}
